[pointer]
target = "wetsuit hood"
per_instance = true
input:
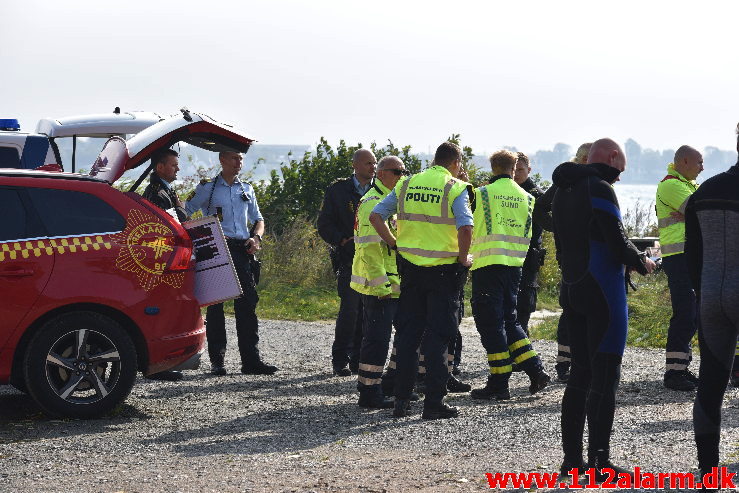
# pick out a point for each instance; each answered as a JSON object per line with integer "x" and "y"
{"x": 567, "y": 174}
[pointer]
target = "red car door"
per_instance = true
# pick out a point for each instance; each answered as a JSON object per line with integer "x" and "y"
{"x": 26, "y": 260}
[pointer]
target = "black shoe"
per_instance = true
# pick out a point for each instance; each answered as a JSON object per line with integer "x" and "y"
{"x": 354, "y": 368}
{"x": 563, "y": 372}
{"x": 169, "y": 376}
{"x": 538, "y": 382}
{"x": 515, "y": 368}
{"x": 455, "y": 370}
{"x": 218, "y": 370}
{"x": 691, "y": 377}
{"x": 734, "y": 380}
{"x": 440, "y": 411}
{"x": 676, "y": 380}
{"x": 342, "y": 372}
{"x": 455, "y": 386}
{"x": 414, "y": 397}
{"x": 401, "y": 408}
{"x": 258, "y": 368}
{"x": 374, "y": 400}
{"x": 568, "y": 464}
{"x": 489, "y": 392}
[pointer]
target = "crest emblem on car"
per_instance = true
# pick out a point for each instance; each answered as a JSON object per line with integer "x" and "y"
{"x": 145, "y": 243}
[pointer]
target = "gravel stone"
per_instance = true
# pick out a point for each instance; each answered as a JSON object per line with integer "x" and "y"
{"x": 301, "y": 429}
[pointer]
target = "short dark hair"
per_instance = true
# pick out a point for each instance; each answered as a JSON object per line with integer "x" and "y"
{"x": 446, "y": 154}
{"x": 161, "y": 155}
{"x": 523, "y": 158}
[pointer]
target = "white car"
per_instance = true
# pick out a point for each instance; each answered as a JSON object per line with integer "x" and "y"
{"x": 42, "y": 148}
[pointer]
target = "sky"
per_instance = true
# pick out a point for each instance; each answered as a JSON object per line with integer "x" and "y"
{"x": 527, "y": 74}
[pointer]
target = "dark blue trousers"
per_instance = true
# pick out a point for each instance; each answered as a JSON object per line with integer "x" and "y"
{"x": 348, "y": 333}
{"x": 427, "y": 316}
{"x": 684, "y": 320}
{"x": 378, "y": 325}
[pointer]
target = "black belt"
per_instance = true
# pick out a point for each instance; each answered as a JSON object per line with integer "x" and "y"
{"x": 233, "y": 242}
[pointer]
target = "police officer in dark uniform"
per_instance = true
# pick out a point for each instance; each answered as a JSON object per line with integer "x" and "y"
{"x": 529, "y": 285}
{"x": 336, "y": 227}
{"x": 236, "y": 206}
{"x": 165, "y": 164}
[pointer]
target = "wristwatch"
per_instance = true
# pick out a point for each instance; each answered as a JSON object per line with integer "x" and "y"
{"x": 259, "y": 237}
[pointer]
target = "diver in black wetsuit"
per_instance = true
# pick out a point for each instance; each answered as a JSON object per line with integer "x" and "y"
{"x": 592, "y": 250}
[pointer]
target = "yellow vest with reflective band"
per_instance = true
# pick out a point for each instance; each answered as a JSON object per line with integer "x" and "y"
{"x": 673, "y": 193}
{"x": 502, "y": 219}
{"x": 374, "y": 270}
{"x": 427, "y": 231}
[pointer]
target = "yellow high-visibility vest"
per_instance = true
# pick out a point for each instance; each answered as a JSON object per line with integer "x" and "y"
{"x": 427, "y": 232}
{"x": 673, "y": 193}
{"x": 502, "y": 219}
{"x": 374, "y": 268}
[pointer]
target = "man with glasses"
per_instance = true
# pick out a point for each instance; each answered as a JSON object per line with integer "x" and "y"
{"x": 375, "y": 276}
{"x": 336, "y": 227}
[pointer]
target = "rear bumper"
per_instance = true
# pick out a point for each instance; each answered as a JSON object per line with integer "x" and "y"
{"x": 177, "y": 351}
{"x": 193, "y": 363}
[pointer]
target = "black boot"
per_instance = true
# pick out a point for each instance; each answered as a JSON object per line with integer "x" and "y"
{"x": 563, "y": 372}
{"x": 570, "y": 463}
{"x": 677, "y": 380}
{"x": 496, "y": 388}
{"x": 258, "y": 367}
{"x": 538, "y": 381}
{"x": 455, "y": 386}
{"x": 372, "y": 398}
{"x": 439, "y": 411}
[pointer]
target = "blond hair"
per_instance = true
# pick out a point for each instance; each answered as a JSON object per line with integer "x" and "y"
{"x": 503, "y": 161}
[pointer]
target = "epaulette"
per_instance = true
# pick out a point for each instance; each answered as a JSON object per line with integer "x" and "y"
{"x": 204, "y": 181}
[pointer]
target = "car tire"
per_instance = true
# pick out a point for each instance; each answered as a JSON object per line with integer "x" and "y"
{"x": 80, "y": 365}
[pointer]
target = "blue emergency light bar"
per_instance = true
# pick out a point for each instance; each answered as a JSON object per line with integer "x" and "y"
{"x": 9, "y": 124}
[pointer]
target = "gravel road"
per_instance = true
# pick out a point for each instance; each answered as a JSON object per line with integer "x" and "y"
{"x": 300, "y": 430}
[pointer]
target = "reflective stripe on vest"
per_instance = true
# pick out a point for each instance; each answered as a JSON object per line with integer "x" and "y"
{"x": 506, "y": 238}
{"x": 368, "y": 239}
{"x": 428, "y": 253}
{"x": 668, "y": 221}
{"x": 500, "y": 251}
{"x": 672, "y": 248}
{"x": 363, "y": 281}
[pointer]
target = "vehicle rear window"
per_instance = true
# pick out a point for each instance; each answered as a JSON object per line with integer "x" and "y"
{"x": 9, "y": 157}
{"x": 13, "y": 225}
{"x": 67, "y": 213}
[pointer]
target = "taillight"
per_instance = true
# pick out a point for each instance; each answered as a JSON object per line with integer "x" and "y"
{"x": 182, "y": 253}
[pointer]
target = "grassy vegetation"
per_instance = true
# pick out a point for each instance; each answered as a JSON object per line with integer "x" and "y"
{"x": 297, "y": 284}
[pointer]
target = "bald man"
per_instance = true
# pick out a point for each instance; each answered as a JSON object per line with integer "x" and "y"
{"x": 336, "y": 227}
{"x": 673, "y": 193}
{"x": 592, "y": 249}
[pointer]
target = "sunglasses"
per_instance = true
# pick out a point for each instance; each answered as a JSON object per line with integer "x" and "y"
{"x": 397, "y": 172}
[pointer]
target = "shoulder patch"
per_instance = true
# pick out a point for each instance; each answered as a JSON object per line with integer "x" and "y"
{"x": 205, "y": 181}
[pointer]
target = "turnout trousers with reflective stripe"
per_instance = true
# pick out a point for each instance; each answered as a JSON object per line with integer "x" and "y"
{"x": 378, "y": 325}
{"x": 348, "y": 333}
{"x": 427, "y": 316}
{"x": 494, "y": 292}
{"x": 684, "y": 320}
{"x": 247, "y": 325}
